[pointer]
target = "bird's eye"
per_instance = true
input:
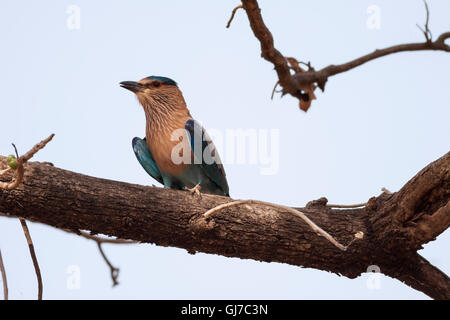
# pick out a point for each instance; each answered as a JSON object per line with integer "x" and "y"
{"x": 156, "y": 84}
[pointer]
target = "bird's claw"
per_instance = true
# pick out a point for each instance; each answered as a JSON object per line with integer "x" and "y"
{"x": 195, "y": 190}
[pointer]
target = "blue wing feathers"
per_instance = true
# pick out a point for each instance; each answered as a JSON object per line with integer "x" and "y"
{"x": 145, "y": 158}
{"x": 214, "y": 171}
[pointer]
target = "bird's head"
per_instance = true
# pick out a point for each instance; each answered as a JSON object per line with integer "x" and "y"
{"x": 156, "y": 93}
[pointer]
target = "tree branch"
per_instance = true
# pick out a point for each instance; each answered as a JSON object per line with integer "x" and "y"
{"x": 268, "y": 50}
{"x": 321, "y": 76}
{"x": 421, "y": 208}
{"x": 430, "y": 226}
{"x": 418, "y": 273}
{"x": 295, "y": 84}
{"x": 33, "y": 256}
{"x": 69, "y": 200}
{"x": 232, "y": 15}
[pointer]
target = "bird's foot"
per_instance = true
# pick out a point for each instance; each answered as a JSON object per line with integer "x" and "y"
{"x": 195, "y": 190}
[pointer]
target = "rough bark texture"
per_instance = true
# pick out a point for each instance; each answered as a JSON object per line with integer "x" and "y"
{"x": 395, "y": 225}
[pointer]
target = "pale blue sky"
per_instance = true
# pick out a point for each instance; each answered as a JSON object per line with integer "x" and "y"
{"x": 375, "y": 126}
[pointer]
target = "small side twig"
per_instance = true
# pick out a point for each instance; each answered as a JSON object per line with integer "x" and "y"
{"x": 347, "y": 206}
{"x": 21, "y": 161}
{"x": 86, "y": 235}
{"x": 15, "y": 150}
{"x": 274, "y": 90}
{"x": 385, "y": 190}
{"x": 426, "y": 30}
{"x": 357, "y": 205}
{"x": 232, "y": 15}
{"x": 114, "y": 271}
{"x": 33, "y": 256}
{"x": 314, "y": 227}
{"x": 4, "y": 280}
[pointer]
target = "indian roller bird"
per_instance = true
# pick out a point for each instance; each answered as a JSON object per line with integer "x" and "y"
{"x": 172, "y": 134}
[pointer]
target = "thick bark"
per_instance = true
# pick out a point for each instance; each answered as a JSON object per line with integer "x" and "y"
{"x": 394, "y": 225}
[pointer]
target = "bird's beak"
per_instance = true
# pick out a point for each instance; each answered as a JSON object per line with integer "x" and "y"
{"x": 132, "y": 86}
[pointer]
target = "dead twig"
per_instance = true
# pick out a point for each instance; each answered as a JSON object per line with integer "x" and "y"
{"x": 232, "y": 15}
{"x": 99, "y": 241}
{"x": 86, "y": 235}
{"x": 426, "y": 30}
{"x": 356, "y": 205}
{"x": 114, "y": 271}
{"x": 384, "y": 190}
{"x": 21, "y": 161}
{"x": 33, "y": 256}
{"x": 4, "y": 280}
{"x": 295, "y": 84}
{"x": 347, "y": 206}
{"x": 314, "y": 227}
{"x": 274, "y": 89}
